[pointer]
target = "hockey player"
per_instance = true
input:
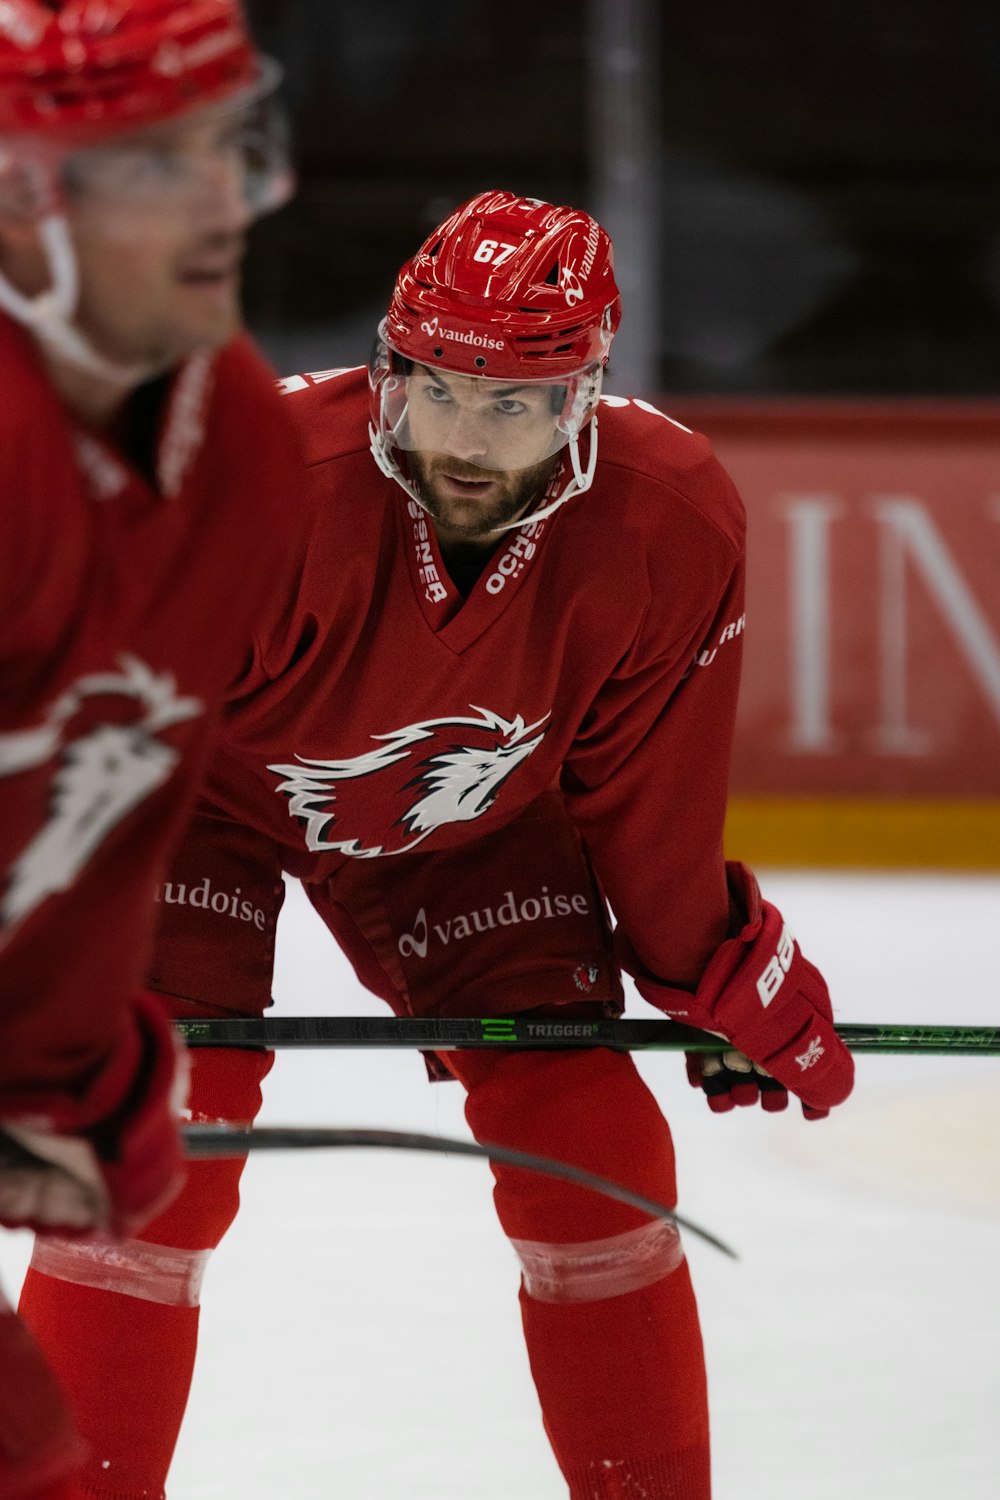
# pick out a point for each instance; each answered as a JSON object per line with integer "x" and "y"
{"x": 504, "y": 693}
{"x": 141, "y": 442}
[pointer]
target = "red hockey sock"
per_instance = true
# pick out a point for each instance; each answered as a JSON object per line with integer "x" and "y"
{"x": 126, "y": 1365}
{"x": 622, "y": 1388}
{"x": 608, "y": 1310}
{"x": 119, "y": 1325}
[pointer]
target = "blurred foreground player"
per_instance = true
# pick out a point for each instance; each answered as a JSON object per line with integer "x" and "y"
{"x": 141, "y": 445}
{"x": 505, "y": 691}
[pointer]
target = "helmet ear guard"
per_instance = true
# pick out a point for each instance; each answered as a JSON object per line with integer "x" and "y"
{"x": 583, "y": 392}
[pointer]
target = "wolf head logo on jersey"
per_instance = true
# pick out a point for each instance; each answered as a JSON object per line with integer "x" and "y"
{"x": 100, "y": 746}
{"x": 418, "y": 779}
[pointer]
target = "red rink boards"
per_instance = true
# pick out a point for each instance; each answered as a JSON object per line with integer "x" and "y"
{"x": 869, "y": 727}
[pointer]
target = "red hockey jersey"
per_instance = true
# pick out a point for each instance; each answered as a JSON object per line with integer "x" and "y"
{"x": 599, "y": 651}
{"x": 125, "y": 611}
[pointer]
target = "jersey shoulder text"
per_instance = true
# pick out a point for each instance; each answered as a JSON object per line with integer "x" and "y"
{"x": 330, "y": 410}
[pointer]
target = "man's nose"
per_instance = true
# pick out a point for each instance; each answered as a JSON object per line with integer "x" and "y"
{"x": 223, "y": 200}
{"x": 466, "y": 437}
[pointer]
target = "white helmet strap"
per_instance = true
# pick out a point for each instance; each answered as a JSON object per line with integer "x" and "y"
{"x": 582, "y": 479}
{"x": 49, "y": 316}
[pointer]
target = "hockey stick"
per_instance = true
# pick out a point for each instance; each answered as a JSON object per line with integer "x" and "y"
{"x": 448, "y": 1034}
{"x": 214, "y": 1141}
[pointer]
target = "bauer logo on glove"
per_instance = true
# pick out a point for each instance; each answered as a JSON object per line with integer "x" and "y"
{"x": 772, "y": 1004}
{"x": 778, "y": 965}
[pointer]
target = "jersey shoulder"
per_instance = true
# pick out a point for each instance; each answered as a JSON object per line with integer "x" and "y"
{"x": 241, "y": 365}
{"x": 45, "y": 514}
{"x": 665, "y": 469}
{"x": 254, "y": 447}
{"x": 330, "y": 411}
{"x": 244, "y": 395}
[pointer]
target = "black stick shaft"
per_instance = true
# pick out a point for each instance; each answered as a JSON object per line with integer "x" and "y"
{"x": 448, "y": 1034}
{"x": 214, "y": 1141}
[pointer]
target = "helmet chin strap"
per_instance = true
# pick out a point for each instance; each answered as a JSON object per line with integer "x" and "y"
{"x": 49, "y": 316}
{"x": 582, "y": 479}
{"x": 383, "y": 455}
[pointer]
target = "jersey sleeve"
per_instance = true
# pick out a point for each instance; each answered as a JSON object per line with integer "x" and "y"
{"x": 646, "y": 781}
{"x": 124, "y": 616}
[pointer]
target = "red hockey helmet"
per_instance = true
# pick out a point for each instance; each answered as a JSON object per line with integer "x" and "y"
{"x": 509, "y": 292}
{"x": 75, "y": 71}
{"x": 510, "y": 288}
{"x": 90, "y": 92}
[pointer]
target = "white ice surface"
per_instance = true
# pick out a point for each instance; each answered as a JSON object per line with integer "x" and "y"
{"x": 361, "y": 1337}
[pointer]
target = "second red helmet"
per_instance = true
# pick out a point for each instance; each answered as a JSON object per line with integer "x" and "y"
{"x": 509, "y": 288}
{"x": 81, "y": 70}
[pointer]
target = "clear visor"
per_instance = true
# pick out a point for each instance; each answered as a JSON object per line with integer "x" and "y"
{"x": 499, "y": 425}
{"x": 241, "y": 145}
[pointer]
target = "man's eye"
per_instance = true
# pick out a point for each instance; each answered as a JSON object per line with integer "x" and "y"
{"x": 162, "y": 162}
{"x": 511, "y": 408}
{"x": 437, "y": 395}
{"x": 132, "y": 169}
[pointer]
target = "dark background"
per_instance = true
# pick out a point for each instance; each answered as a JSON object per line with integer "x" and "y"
{"x": 828, "y": 175}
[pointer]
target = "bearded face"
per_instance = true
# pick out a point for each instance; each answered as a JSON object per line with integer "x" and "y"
{"x": 481, "y": 452}
{"x": 467, "y": 506}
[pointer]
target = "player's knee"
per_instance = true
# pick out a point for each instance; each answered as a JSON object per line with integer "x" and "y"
{"x": 166, "y": 1263}
{"x": 225, "y": 1085}
{"x": 203, "y": 1210}
{"x": 588, "y": 1109}
{"x": 591, "y": 1270}
{"x": 591, "y": 1096}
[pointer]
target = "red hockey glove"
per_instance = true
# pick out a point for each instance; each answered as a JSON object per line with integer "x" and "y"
{"x": 773, "y": 1005}
{"x": 109, "y": 1160}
